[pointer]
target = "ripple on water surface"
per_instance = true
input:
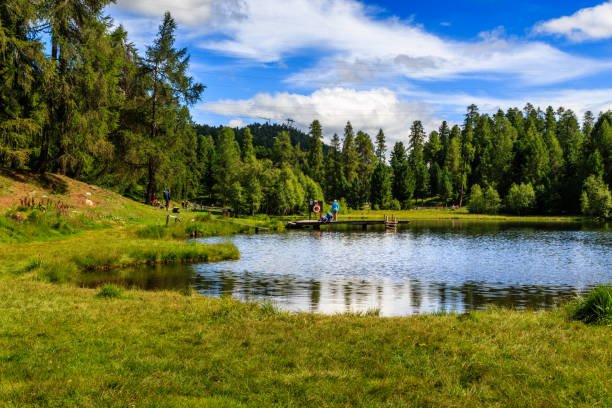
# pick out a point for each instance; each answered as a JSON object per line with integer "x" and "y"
{"x": 425, "y": 268}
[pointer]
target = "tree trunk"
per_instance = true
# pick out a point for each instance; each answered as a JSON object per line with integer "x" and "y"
{"x": 44, "y": 156}
{"x": 151, "y": 184}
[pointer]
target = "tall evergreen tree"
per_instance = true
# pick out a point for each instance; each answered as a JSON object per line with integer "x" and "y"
{"x": 334, "y": 174}
{"x": 381, "y": 146}
{"x": 248, "y": 152}
{"x": 22, "y": 63}
{"x": 467, "y": 149}
{"x": 350, "y": 157}
{"x": 227, "y": 166}
{"x": 416, "y": 159}
{"x": 79, "y": 89}
{"x": 381, "y": 186}
{"x": 168, "y": 85}
{"x": 403, "y": 182}
{"x": 315, "y": 154}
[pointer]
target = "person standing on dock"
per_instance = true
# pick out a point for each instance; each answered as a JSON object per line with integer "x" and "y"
{"x": 167, "y": 198}
{"x": 335, "y": 209}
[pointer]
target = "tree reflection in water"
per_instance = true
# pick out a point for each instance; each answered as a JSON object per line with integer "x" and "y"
{"x": 430, "y": 267}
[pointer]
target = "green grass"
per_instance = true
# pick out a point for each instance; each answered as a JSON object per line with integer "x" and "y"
{"x": 65, "y": 346}
{"x": 61, "y": 345}
{"x": 110, "y": 291}
{"x": 596, "y": 307}
{"x": 451, "y": 214}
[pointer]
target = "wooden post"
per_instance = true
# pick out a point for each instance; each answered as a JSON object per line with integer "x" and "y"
{"x": 167, "y": 219}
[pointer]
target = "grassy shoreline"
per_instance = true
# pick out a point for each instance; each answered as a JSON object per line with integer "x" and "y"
{"x": 65, "y": 346}
{"x": 62, "y": 345}
{"x": 451, "y": 215}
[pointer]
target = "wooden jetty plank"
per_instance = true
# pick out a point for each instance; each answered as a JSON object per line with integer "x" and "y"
{"x": 363, "y": 223}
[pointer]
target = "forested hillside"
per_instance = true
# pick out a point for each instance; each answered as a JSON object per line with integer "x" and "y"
{"x": 78, "y": 99}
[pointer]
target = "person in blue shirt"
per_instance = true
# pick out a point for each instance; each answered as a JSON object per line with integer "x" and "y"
{"x": 335, "y": 209}
{"x": 167, "y": 198}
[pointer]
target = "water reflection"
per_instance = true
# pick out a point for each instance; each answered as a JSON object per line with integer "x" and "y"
{"x": 429, "y": 267}
{"x": 392, "y": 298}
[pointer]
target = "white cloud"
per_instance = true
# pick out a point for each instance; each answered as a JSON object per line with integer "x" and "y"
{"x": 381, "y": 108}
{"x": 190, "y": 12}
{"x": 333, "y": 107}
{"x": 578, "y": 100}
{"x": 236, "y": 123}
{"x": 359, "y": 47}
{"x": 588, "y": 23}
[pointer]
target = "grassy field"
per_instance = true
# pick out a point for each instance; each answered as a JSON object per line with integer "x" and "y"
{"x": 61, "y": 345}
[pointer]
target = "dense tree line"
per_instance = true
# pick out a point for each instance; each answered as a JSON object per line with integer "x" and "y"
{"x": 77, "y": 98}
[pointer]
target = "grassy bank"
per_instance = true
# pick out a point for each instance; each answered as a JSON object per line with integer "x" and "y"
{"x": 64, "y": 346}
{"x": 453, "y": 214}
{"x": 61, "y": 345}
{"x": 57, "y": 229}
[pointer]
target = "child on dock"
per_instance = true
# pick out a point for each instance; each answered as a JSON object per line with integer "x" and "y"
{"x": 335, "y": 209}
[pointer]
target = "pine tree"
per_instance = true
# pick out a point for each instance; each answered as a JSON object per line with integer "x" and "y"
{"x": 315, "y": 153}
{"x": 227, "y": 165}
{"x": 335, "y": 182}
{"x": 80, "y": 86}
{"x": 349, "y": 154}
{"x": 403, "y": 183}
{"x": 284, "y": 154}
{"x": 366, "y": 163}
{"x": 416, "y": 160}
{"x": 248, "y": 152}
{"x": 381, "y": 147}
{"x": 166, "y": 69}
{"x": 467, "y": 149}
{"x": 21, "y": 62}
{"x": 381, "y": 186}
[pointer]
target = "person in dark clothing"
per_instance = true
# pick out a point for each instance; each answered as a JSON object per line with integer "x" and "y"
{"x": 167, "y": 198}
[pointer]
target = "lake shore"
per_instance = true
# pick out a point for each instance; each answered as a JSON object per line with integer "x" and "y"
{"x": 65, "y": 345}
{"x": 61, "y": 345}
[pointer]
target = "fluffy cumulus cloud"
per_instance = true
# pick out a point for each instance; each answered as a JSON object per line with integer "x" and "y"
{"x": 578, "y": 100}
{"x": 333, "y": 107}
{"x": 358, "y": 45}
{"x": 236, "y": 123}
{"x": 592, "y": 23}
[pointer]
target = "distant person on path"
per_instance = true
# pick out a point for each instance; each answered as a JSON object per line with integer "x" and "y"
{"x": 335, "y": 209}
{"x": 167, "y": 198}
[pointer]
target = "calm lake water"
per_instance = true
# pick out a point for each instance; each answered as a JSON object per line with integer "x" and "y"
{"x": 428, "y": 267}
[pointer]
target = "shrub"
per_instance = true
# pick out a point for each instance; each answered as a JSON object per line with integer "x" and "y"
{"x": 487, "y": 203}
{"x": 110, "y": 291}
{"x": 596, "y": 200}
{"x": 477, "y": 201}
{"x": 596, "y": 308}
{"x": 492, "y": 200}
{"x": 520, "y": 199}
{"x": 393, "y": 205}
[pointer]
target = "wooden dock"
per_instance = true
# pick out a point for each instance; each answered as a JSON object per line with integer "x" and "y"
{"x": 388, "y": 222}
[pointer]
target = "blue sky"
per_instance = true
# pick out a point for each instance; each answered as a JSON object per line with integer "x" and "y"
{"x": 383, "y": 64}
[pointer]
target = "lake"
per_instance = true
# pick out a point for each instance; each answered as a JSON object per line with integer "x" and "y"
{"x": 427, "y": 267}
